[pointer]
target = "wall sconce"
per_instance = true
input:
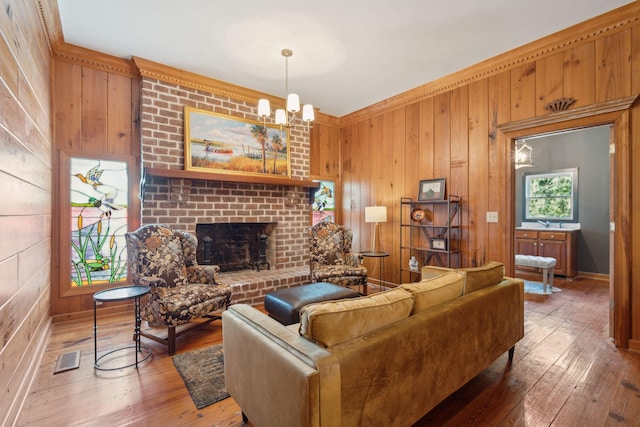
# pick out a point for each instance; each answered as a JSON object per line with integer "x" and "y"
{"x": 523, "y": 155}
{"x": 376, "y": 214}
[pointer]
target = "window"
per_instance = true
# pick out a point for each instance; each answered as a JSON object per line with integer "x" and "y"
{"x": 551, "y": 196}
{"x": 99, "y": 213}
{"x": 324, "y": 203}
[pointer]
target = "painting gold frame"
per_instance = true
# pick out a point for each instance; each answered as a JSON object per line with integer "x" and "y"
{"x": 220, "y": 143}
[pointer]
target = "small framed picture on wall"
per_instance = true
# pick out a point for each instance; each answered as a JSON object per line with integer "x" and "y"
{"x": 431, "y": 189}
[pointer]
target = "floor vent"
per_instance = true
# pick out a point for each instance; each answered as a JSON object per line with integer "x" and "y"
{"x": 67, "y": 361}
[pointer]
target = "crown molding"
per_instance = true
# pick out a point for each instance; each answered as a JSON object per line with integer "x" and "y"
{"x": 94, "y": 59}
{"x": 601, "y": 26}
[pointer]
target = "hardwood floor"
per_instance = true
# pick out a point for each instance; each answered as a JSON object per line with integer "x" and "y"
{"x": 566, "y": 372}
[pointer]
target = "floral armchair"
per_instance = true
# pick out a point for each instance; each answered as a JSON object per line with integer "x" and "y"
{"x": 331, "y": 257}
{"x": 181, "y": 290}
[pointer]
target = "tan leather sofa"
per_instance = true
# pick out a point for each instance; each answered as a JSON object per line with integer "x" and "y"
{"x": 385, "y": 359}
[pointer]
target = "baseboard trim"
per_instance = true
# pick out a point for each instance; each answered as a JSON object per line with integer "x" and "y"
{"x": 595, "y": 276}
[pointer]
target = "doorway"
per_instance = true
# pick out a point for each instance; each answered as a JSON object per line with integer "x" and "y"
{"x": 585, "y": 151}
{"x": 617, "y": 115}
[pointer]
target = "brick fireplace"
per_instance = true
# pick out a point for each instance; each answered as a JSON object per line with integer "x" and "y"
{"x": 185, "y": 203}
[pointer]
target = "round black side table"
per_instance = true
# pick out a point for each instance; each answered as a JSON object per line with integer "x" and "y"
{"x": 379, "y": 255}
{"x": 122, "y": 293}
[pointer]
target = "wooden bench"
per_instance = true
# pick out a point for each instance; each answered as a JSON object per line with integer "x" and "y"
{"x": 544, "y": 263}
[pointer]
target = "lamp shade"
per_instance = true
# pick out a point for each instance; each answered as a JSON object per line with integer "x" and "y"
{"x": 293, "y": 103}
{"x": 264, "y": 109}
{"x": 307, "y": 113}
{"x": 375, "y": 214}
{"x": 281, "y": 118}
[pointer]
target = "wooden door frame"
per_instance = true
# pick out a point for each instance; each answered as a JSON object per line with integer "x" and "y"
{"x": 615, "y": 113}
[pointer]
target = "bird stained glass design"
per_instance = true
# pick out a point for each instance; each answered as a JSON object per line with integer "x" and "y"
{"x": 99, "y": 200}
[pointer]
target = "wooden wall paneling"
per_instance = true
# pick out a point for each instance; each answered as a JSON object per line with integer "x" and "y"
{"x": 499, "y": 183}
{"x": 427, "y": 154}
{"x": 19, "y": 159}
{"x": 347, "y": 178}
{"x": 24, "y": 132}
{"x": 579, "y": 74}
{"x": 94, "y": 111}
{"x": 635, "y": 60}
{"x": 9, "y": 69}
{"x": 459, "y": 175}
{"x": 413, "y": 152}
{"x": 32, "y": 49}
{"x": 19, "y": 233}
{"x": 9, "y": 274}
{"x": 427, "y": 143}
{"x": 67, "y": 100}
{"x": 523, "y": 91}
{"x": 549, "y": 79}
{"x": 477, "y": 198}
{"x": 324, "y": 151}
{"x": 370, "y": 133}
{"x": 442, "y": 136}
{"x": 613, "y": 66}
{"x": 634, "y": 221}
{"x": 635, "y": 189}
{"x": 442, "y": 146}
{"x": 119, "y": 117}
{"x": 393, "y": 191}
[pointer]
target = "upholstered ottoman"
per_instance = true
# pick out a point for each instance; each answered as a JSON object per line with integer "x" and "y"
{"x": 544, "y": 263}
{"x": 284, "y": 304}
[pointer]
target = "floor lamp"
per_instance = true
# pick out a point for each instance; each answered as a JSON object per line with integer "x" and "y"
{"x": 376, "y": 214}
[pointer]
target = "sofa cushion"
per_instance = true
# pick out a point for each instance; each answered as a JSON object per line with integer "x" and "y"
{"x": 435, "y": 291}
{"x": 476, "y": 278}
{"x": 333, "y": 322}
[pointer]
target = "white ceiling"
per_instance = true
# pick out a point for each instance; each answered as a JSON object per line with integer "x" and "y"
{"x": 347, "y": 54}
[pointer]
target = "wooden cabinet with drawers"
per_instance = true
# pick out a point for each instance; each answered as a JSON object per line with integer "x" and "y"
{"x": 558, "y": 244}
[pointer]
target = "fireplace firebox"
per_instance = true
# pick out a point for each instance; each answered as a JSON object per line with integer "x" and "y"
{"x": 235, "y": 246}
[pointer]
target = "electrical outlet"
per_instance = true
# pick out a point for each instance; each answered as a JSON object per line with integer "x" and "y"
{"x": 492, "y": 216}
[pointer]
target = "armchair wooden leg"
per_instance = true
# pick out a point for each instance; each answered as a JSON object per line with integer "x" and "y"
{"x": 511, "y": 351}
{"x": 171, "y": 340}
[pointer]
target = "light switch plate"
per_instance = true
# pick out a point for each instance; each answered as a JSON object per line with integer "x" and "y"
{"x": 492, "y": 216}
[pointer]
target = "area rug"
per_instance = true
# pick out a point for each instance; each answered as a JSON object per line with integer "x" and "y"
{"x": 202, "y": 371}
{"x": 531, "y": 287}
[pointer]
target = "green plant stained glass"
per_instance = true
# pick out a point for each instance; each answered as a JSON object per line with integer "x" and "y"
{"x": 551, "y": 196}
{"x": 99, "y": 200}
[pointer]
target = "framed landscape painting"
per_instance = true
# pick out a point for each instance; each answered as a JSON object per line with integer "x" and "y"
{"x": 225, "y": 144}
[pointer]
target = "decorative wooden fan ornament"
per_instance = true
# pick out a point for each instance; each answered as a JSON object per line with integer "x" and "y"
{"x": 560, "y": 104}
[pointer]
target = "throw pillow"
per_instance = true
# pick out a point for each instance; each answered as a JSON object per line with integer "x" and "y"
{"x": 333, "y": 322}
{"x": 476, "y": 278}
{"x": 431, "y": 292}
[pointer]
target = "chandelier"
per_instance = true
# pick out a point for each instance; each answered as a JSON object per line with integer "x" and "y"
{"x": 523, "y": 155}
{"x": 286, "y": 118}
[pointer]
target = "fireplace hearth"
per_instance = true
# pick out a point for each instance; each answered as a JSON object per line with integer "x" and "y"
{"x": 235, "y": 246}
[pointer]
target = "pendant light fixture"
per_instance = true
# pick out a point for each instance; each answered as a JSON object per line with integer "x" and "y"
{"x": 286, "y": 118}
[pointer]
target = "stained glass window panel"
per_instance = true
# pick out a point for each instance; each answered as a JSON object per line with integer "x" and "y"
{"x": 99, "y": 201}
{"x": 324, "y": 203}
